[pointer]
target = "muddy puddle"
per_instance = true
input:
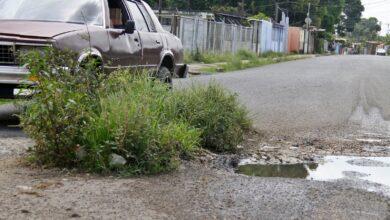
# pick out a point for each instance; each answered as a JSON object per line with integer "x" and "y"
{"x": 371, "y": 173}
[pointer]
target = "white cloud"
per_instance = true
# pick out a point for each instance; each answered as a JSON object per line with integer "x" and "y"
{"x": 379, "y": 9}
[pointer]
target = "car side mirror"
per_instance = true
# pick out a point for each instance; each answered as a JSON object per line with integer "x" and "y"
{"x": 129, "y": 27}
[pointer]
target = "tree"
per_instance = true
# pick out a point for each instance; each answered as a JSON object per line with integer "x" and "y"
{"x": 387, "y": 40}
{"x": 367, "y": 29}
{"x": 353, "y": 11}
{"x": 325, "y": 14}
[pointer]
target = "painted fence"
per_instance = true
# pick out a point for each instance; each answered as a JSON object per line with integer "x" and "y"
{"x": 199, "y": 34}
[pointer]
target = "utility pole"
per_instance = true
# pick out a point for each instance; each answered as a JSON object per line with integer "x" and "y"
{"x": 276, "y": 12}
{"x": 159, "y": 9}
{"x": 388, "y": 28}
{"x": 307, "y": 34}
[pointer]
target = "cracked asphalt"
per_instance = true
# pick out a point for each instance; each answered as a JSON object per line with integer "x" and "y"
{"x": 312, "y": 94}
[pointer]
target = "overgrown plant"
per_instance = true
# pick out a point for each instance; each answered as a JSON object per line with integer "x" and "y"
{"x": 222, "y": 120}
{"x": 124, "y": 122}
{"x": 137, "y": 121}
{"x": 62, "y": 107}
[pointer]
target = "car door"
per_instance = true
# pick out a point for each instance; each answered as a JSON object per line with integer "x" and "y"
{"x": 125, "y": 49}
{"x": 151, "y": 41}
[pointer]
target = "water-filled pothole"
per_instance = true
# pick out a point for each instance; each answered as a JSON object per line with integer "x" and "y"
{"x": 374, "y": 170}
{"x": 287, "y": 171}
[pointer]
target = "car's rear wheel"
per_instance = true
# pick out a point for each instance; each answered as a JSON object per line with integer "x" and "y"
{"x": 165, "y": 76}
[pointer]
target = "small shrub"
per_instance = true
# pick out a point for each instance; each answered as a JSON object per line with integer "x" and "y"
{"x": 61, "y": 108}
{"x": 217, "y": 113}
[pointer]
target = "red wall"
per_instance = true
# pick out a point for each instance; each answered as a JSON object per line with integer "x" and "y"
{"x": 293, "y": 39}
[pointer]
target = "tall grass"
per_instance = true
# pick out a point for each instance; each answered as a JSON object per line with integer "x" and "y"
{"x": 80, "y": 120}
{"x": 137, "y": 121}
{"x": 217, "y": 113}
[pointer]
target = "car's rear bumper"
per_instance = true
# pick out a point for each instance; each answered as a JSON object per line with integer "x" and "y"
{"x": 11, "y": 79}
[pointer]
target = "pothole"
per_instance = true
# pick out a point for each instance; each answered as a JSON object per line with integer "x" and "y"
{"x": 367, "y": 170}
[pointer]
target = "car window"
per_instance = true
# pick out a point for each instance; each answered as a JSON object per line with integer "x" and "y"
{"x": 147, "y": 17}
{"x": 118, "y": 14}
{"x": 140, "y": 23}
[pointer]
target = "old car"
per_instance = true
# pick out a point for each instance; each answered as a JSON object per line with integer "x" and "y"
{"x": 115, "y": 33}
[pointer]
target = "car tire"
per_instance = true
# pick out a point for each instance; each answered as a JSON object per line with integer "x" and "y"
{"x": 165, "y": 76}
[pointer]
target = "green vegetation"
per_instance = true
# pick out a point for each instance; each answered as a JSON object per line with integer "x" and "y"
{"x": 208, "y": 58}
{"x": 138, "y": 122}
{"x": 260, "y": 16}
{"x": 125, "y": 122}
{"x": 329, "y": 15}
{"x": 5, "y": 101}
{"x": 211, "y": 58}
{"x": 367, "y": 29}
{"x": 242, "y": 60}
{"x": 222, "y": 120}
{"x": 61, "y": 112}
{"x": 234, "y": 65}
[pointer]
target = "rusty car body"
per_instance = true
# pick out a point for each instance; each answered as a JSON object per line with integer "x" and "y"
{"x": 117, "y": 33}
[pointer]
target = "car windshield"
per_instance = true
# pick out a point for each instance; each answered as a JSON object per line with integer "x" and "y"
{"x": 70, "y": 11}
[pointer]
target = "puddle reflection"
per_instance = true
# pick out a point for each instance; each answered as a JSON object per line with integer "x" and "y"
{"x": 287, "y": 171}
{"x": 371, "y": 169}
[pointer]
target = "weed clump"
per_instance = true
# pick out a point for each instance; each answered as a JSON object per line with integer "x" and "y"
{"x": 217, "y": 113}
{"x": 137, "y": 122}
{"x": 124, "y": 122}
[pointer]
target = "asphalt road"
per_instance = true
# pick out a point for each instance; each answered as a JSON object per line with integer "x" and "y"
{"x": 308, "y": 95}
{"x": 312, "y": 94}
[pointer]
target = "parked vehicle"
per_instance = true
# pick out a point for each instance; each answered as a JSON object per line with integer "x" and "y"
{"x": 381, "y": 52}
{"x": 115, "y": 33}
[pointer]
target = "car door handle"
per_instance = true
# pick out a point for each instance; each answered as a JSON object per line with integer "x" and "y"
{"x": 136, "y": 39}
{"x": 158, "y": 42}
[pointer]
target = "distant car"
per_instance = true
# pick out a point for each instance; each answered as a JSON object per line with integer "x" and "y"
{"x": 122, "y": 33}
{"x": 381, "y": 52}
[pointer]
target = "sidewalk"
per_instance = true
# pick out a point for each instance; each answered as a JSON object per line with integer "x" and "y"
{"x": 199, "y": 68}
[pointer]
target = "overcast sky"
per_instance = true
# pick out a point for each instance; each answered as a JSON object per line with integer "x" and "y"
{"x": 379, "y": 9}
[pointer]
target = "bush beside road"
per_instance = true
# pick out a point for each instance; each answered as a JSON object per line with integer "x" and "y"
{"x": 126, "y": 122}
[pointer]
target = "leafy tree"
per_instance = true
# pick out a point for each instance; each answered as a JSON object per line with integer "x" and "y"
{"x": 260, "y": 16}
{"x": 325, "y": 14}
{"x": 386, "y": 39}
{"x": 367, "y": 29}
{"x": 353, "y": 11}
